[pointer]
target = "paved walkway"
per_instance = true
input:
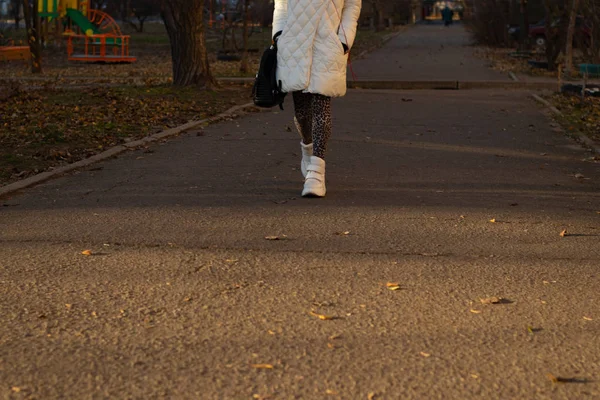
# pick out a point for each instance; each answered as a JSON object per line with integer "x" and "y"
{"x": 427, "y": 53}
{"x": 184, "y": 297}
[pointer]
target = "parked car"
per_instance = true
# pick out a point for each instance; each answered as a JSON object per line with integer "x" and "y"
{"x": 514, "y": 31}
{"x": 582, "y": 29}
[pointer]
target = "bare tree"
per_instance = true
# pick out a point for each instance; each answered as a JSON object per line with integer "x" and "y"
{"x": 569, "y": 39}
{"x": 591, "y": 8}
{"x": 185, "y": 25}
{"x": 15, "y": 11}
{"x": 141, "y": 10}
{"x": 32, "y": 22}
{"x": 244, "y": 64}
{"x": 556, "y": 27}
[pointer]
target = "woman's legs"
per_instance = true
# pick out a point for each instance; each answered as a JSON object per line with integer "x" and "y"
{"x": 321, "y": 123}
{"x": 303, "y": 118}
{"x": 313, "y": 120}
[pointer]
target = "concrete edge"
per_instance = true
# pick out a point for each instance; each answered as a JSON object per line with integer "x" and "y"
{"x": 579, "y": 136}
{"x": 116, "y": 150}
{"x": 449, "y": 85}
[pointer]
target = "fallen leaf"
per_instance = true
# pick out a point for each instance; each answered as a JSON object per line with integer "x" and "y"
{"x": 371, "y": 396}
{"x": 588, "y": 318}
{"x": 16, "y": 389}
{"x": 425, "y": 354}
{"x": 491, "y": 300}
{"x": 579, "y": 176}
{"x": 283, "y": 237}
{"x": 345, "y": 233}
{"x": 262, "y": 366}
{"x": 321, "y": 316}
{"x": 331, "y": 392}
{"x": 87, "y": 252}
{"x": 393, "y": 285}
{"x": 474, "y": 376}
{"x": 475, "y": 311}
{"x": 94, "y": 314}
{"x": 331, "y": 345}
{"x": 493, "y": 220}
{"x": 69, "y": 306}
{"x": 563, "y": 233}
{"x": 271, "y": 332}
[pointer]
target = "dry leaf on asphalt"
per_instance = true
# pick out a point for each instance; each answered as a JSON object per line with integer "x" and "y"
{"x": 262, "y": 366}
{"x": 371, "y": 396}
{"x": 345, "y": 233}
{"x": 393, "y": 285}
{"x": 87, "y": 252}
{"x": 331, "y": 392}
{"x": 426, "y": 355}
{"x": 491, "y": 300}
{"x": 475, "y": 311}
{"x": 563, "y": 233}
{"x": 579, "y": 176}
{"x": 588, "y": 318}
{"x": 560, "y": 379}
{"x": 282, "y": 237}
{"x": 321, "y": 316}
{"x": 15, "y": 389}
{"x": 493, "y": 220}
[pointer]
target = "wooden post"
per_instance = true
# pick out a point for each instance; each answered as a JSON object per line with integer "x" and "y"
{"x": 559, "y": 78}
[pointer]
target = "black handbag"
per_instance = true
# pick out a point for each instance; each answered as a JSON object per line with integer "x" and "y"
{"x": 266, "y": 91}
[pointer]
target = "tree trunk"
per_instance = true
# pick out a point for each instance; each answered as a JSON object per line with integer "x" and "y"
{"x": 16, "y": 12}
{"x": 244, "y": 64}
{"x": 380, "y": 19}
{"x": 185, "y": 25}
{"x": 555, "y": 35}
{"x": 570, "y": 33}
{"x": 32, "y": 22}
{"x": 524, "y": 33}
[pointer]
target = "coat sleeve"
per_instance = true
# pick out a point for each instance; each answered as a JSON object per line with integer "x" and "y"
{"x": 279, "y": 16}
{"x": 350, "y": 14}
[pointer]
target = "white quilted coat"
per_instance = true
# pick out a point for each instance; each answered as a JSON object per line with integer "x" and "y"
{"x": 310, "y": 55}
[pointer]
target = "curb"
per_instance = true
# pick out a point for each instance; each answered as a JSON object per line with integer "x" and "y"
{"x": 116, "y": 150}
{"x": 578, "y": 135}
{"x": 449, "y": 85}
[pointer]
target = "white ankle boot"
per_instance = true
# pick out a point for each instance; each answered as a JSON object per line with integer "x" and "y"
{"x": 307, "y": 152}
{"x": 314, "y": 184}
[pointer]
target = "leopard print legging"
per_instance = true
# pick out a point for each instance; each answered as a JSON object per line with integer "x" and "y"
{"x": 313, "y": 120}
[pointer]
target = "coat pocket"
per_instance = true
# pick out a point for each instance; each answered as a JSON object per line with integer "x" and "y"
{"x": 337, "y": 42}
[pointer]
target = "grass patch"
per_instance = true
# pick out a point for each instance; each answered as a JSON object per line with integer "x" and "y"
{"x": 578, "y": 114}
{"x": 43, "y": 129}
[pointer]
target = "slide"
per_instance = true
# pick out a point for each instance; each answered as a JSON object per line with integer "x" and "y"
{"x": 86, "y": 25}
{"x": 82, "y": 22}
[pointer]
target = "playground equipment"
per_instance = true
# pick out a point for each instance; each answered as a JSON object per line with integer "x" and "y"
{"x": 9, "y": 52}
{"x": 92, "y": 35}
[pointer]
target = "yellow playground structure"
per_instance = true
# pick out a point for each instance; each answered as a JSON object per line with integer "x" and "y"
{"x": 92, "y": 35}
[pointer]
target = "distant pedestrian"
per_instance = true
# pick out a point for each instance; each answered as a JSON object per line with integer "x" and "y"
{"x": 313, "y": 40}
{"x": 447, "y": 16}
